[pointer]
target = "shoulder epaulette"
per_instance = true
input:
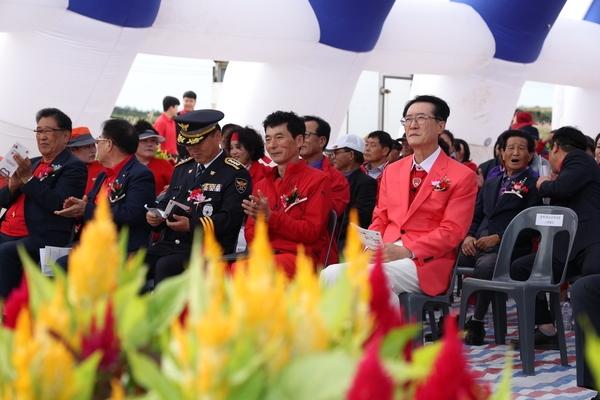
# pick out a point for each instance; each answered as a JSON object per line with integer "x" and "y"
{"x": 234, "y": 163}
{"x": 183, "y": 161}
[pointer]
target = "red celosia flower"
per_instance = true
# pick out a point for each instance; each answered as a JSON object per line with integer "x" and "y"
{"x": 387, "y": 316}
{"x": 450, "y": 378}
{"x": 17, "y": 299}
{"x": 371, "y": 380}
{"x": 105, "y": 339}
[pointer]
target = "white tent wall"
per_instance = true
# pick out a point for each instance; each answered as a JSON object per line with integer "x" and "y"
{"x": 233, "y": 30}
{"x": 481, "y": 103}
{"x": 320, "y": 83}
{"x": 78, "y": 65}
{"x": 30, "y": 15}
{"x": 577, "y": 107}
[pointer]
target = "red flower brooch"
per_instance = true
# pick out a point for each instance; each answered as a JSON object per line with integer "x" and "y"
{"x": 196, "y": 196}
{"x": 517, "y": 188}
{"x": 291, "y": 199}
{"x": 441, "y": 184}
{"x": 46, "y": 171}
{"x": 114, "y": 191}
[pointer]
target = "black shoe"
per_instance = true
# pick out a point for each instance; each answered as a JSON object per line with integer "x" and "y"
{"x": 542, "y": 341}
{"x": 474, "y": 332}
{"x": 439, "y": 329}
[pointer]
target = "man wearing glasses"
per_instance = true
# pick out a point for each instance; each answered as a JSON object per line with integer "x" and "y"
{"x": 315, "y": 140}
{"x": 424, "y": 208}
{"x": 35, "y": 191}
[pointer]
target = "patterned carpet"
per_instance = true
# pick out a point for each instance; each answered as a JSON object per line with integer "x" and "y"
{"x": 551, "y": 380}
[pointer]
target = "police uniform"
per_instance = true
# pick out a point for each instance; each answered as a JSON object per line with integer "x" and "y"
{"x": 225, "y": 183}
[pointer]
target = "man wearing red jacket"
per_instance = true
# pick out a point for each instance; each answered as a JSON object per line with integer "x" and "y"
{"x": 424, "y": 208}
{"x": 294, "y": 198}
{"x": 316, "y": 139}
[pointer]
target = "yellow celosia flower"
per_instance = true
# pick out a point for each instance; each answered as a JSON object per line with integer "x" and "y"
{"x": 25, "y": 349}
{"x": 118, "y": 393}
{"x": 56, "y": 372}
{"x": 94, "y": 264}
{"x": 56, "y": 316}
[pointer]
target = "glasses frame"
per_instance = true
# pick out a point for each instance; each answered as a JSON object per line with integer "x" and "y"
{"x": 419, "y": 119}
{"x": 308, "y": 133}
{"x": 342, "y": 150}
{"x": 47, "y": 131}
{"x": 101, "y": 140}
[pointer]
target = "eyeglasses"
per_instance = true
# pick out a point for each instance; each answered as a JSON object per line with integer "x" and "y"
{"x": 101, "y": 140}
{"x": 47, "y": 131}
{"x": 308, "y": 133}
{"x": 421, "y": 119}
{"x": 335, "y": 153}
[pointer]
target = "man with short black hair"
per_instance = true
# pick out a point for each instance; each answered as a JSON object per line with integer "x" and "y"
{"x": 189, "y": 102}
{"x": 316, "y": 138}
{"x": 165, "y": 126}
{"x": 575, "y": 184}
{"x": 347, "y": 158}
{"x": 294, "y": 198}
{"x": 378, "y": 146}
{"x": 37, "y": 189}
{"x": 211, "y": 184}
{"x": 129, "y": 184}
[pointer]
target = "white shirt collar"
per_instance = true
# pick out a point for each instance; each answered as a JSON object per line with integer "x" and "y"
{"x": 428, "y": 162}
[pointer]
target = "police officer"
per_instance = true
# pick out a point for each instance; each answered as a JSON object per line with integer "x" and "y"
{"x": 211, "y": 184}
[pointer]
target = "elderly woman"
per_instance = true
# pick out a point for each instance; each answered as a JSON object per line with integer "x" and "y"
{"x": 146, "y": 154}
{"x": 247, "y": 146}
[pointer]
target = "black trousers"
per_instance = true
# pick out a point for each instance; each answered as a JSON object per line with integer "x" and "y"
{"x": 585, "y": 298}
{"x": 165, "y": 260}
{"x": 586, "y": 262}
{"x": 484, "y": 264}
{"x": 11, "y": 267}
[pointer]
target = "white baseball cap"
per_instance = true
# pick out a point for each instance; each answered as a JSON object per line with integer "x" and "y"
{"x": 350, "y": 141}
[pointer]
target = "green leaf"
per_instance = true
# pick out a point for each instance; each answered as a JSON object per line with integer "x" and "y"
{"x": 503, "y": 391}
{"x": 325, "y": 376}
{"x": 85, "y": 376}
{"x": 6, "y": 368}
{"x": 41, "y": 289}
{"x": 397, "y": 339}
{"x": 592, "y": 348}
{"x": 197, "y": 295}
{"x": 132, "y": 323}
{"x": 167, "y": 302}
{"x": 149, "y": 376}
{"x": 336, "y": 304}
{"x": 251, "y": 389}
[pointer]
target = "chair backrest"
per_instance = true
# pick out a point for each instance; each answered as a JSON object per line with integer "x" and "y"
{"x": 549, "y": 221}
{"x": 331, "y": 229}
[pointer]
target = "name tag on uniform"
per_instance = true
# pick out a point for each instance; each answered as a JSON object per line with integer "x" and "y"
{"x": 548, "y": 220}
{"x": 211, "y": 187}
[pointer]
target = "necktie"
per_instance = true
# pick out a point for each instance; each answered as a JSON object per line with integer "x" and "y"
{"x": 417, "y": 176}
{"x": 200, "y": 169}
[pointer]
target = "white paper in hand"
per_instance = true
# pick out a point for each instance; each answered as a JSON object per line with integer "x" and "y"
{"x": 371, "y": 239}
{"x": 8, "y": 165}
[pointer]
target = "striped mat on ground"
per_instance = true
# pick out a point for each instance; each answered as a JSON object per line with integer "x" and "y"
{"x": 551, "y": 379}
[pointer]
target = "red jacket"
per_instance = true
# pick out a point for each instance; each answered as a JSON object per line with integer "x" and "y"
{"x": 436, "y": 221}
{"x": 340, "y": 197}
{"x": 257, "y": 172}
{"x": 163, "y": 171}
{"x": 304, "y": 223}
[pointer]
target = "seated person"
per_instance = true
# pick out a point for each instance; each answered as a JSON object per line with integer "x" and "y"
{"x": 498, "y": 202}
{"x": 316, "y": 139}
{"x": 294, "y": 198}
{"x": 212, "y": 184}
{"x": 424, "y": 208}
{"x": 128, "y": 184}
{"x": 37, "y": 189}
{"x": 576, "y": 185}
{"x": 83, "y": 146}
{"x": 347, "y": 155}
{"x": 146, "y": 154}
{"x": 247, "y": 147}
